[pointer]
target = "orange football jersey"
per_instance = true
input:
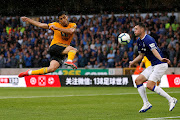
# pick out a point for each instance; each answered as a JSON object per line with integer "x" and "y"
{"x": 61, "y": 37}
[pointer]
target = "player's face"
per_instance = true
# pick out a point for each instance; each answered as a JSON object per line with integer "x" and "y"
{"x": 137, "y": 30}
{"x": 63, "y": 19}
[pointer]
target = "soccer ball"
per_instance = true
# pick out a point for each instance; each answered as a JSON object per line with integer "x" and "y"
{"x": 124, "y": 38}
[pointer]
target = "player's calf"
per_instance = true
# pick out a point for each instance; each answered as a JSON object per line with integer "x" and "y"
{"x": 151, "y": 85}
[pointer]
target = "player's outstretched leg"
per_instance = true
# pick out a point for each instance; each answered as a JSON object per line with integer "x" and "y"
{"x": 172, "y": 101}
{"x": 53, "y": 66}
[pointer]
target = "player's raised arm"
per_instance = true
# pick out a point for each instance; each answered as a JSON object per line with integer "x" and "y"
{"x": 36, "y": 23}
{"x": 157, "y": 55}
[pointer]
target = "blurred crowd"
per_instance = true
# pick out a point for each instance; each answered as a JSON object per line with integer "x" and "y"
{"x": 95, "y": 38}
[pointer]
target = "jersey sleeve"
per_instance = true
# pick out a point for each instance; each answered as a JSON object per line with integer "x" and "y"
{"x": 150, "y": 43}
{"x": 54, "y": 23}
{"x": 73, "y": 25}
{"x": 143, "y": 60}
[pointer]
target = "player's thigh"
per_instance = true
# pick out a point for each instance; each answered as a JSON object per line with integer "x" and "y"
{"x": 68, "y": 48}
{"x": 144, "y": 75}
{"x": 158, "y": 72}
{"x": 147, "y": 72}
{"x": 56, "y": 50}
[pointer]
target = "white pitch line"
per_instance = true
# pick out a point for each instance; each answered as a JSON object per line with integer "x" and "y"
{"x": 162, "y": 118}
{"x": 15, "y": 97}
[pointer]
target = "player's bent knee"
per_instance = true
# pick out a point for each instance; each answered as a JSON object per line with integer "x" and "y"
{"x": 72, "y": 48}
{"x": 52, "y": 69}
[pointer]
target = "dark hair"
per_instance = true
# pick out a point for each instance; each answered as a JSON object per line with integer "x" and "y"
{"x": 61, "y": 13}
{"x": 141, "y": 25}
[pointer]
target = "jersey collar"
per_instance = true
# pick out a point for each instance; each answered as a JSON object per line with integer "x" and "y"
{"x": 143, "y": 37}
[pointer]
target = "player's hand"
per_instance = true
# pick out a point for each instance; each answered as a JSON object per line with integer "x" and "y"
{"x": 54, "y": 27}
{"x": 165, "y": 60}
{"x": 130, "y": 64}
{"x": 24, "y": 19}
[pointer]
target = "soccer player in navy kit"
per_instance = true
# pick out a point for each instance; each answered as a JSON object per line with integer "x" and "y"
{"x": 148, "y": 47}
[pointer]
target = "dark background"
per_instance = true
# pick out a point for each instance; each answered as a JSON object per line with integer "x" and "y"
{"x": 52, "y": 7}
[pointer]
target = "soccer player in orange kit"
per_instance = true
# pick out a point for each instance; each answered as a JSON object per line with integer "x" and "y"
{"x": 60, "y": 45}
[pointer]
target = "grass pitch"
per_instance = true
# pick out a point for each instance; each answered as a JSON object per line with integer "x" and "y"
{"x": 83, "y": 103}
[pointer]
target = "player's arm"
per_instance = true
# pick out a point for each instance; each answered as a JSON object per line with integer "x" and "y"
{"x": 69, "y": 30}
{"x": 36, "y": 23}
{"x": 141, "y": 64}
{"x": 158, "y": 56}
{"x": 137, "y": 59}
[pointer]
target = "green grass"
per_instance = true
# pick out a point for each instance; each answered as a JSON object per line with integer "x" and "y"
{"x": 82, "y": 103}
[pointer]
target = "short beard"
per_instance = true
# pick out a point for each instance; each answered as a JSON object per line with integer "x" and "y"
{"x": 137, "y": 35}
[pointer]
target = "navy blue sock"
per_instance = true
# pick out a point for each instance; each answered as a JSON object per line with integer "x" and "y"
{"x": 139, "y": 85}
{"x": 153, "y": 88}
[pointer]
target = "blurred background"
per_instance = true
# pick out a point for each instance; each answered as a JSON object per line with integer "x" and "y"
{"x": 98, "y": 25}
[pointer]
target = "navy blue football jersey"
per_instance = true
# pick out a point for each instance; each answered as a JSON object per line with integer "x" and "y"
{"x": 146, "y": 45}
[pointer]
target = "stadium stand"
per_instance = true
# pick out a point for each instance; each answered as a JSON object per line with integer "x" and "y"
{"x": 95, "y": 38}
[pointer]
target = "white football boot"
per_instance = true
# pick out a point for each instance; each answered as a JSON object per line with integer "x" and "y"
{"x": 172, "y": 103}
{"x": 145, "y": 107}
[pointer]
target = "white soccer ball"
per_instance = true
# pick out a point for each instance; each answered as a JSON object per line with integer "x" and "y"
{"x": 124, "y": 38}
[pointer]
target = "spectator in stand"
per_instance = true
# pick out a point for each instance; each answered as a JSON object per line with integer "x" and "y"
{"x": 130, "y": 54}
{"x": 2, "y": 61}
{"x": 83, "y": 61}
{"x": 21, "y": 63}
{"x": 177, "y": 55}
{"x": 111, "y": 57}
{"x": 162, "y": 30}
{"x": 44, "y": 62}
{"x": 8, "y": 61}
{"x": 96, "y": 65}
{"x": 93, "y": 58}
{"x": 97, "y": 44}
{"x": 118, "y": 57}
{"x": 172, "y": 18}
{"x": 125, "y": 60}
{"x": 89, "y": 66}
{"x": 14, "y": 62}
{"x": 36, "y": 62}
{"x": 175, "y": 26}
{"x": 28, "y": 60}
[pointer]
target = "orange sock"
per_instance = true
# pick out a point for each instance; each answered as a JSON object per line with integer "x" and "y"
{"x": 39, "y": 71}
{"x": 71, "y": 55}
